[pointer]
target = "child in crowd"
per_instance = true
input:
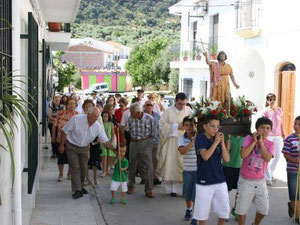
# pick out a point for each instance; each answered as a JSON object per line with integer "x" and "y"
{"x": 186, "y": 147}
{"x": 210, "y": 185}
{"x": 231, "y": 169}
{"x": 120, "y": 176}
{"x": 107, "y": 154}
{"x": 291, "y": 154}
{"x": 256, "y": 152}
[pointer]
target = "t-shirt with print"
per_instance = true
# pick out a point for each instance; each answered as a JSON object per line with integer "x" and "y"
{"x": 116, "y": 174}
{"x": 291, "y": 147}
{"x": 236, "y": 144}
{"x": 189, "y": 158}
{"x": 254, "y": 166}
{"x": 208, "y": 172}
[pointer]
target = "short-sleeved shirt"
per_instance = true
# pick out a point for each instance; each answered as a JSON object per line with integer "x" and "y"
{"x": 276, "y": 118}
{"x": 208, "y": 172}
{"x": 291, "y": 147}
{"x": 79, "y": 133}
{"x": 254, "y": 166}
{"x": 189, "y": 158}
{"x": 236, "y": 144}
{"x": 124, "y": 120}
{"x": 141, "y": 128}
{"x": 116, "y": 173}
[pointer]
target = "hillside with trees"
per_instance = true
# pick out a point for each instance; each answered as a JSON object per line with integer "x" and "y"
{"x": 130, "y": 22}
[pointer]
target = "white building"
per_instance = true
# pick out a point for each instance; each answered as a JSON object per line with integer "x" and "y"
{"x": 26, "y": 50}
{"x": 260, "y": 38}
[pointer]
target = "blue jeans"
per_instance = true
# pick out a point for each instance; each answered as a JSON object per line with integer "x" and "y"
{"x": 292, "y": 183}
{"x": 189, "y": 185}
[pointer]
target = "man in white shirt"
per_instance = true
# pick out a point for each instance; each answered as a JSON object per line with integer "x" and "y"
{"x": 76, "y": 137}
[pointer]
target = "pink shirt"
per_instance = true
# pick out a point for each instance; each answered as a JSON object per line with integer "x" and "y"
{"x": 276, "y": 119}
{"x": 254, "y": 166}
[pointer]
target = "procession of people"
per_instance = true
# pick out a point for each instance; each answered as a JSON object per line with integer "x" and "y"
{"x": 160, "y": 144}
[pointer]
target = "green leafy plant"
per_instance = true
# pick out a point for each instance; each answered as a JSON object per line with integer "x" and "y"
{"x": 213, "y": 49}
{"x": 242, "y": 108}
{"x": 185, "y": 53}
{"x": 13, "y": 104}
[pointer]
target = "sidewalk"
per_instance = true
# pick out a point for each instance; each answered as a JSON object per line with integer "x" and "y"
{"x": 54, "y": 203}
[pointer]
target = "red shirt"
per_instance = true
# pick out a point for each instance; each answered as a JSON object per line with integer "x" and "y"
{"x": 119, "y": 113}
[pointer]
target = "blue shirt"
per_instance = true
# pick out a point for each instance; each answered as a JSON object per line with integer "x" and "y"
{"x": 208, "y": 172}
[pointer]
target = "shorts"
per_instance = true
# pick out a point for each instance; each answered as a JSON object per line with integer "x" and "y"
{"x": 107, "y": 152}
{"x": 216, "y": 194}
{"x": 249, "y": 191}
{"x": 115, "y": 185}
{"x": 189, "y": 185}
{"x": 231, "y": 177}
{"x": 292, "y": 183}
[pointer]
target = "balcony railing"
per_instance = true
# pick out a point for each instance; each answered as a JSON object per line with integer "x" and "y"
{"x": 248, "y": 13}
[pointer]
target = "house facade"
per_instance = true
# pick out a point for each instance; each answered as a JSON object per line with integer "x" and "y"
{"x": 260, "y": 40}
{"x": 26, "y": 42}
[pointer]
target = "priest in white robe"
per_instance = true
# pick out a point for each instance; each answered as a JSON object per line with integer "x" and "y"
{"x": 170, "y": 161}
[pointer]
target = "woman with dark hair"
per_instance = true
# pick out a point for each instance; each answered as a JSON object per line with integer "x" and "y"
{"x": 61, "y": 119}
{"x": 112, "y": 100}
{"x": 219, "y": 81}
{"x": 274, "y": 113}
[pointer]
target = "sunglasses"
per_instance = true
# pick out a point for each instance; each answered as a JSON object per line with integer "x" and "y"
{"x": 271, "y": 99}
{"x": 149, "y": 105}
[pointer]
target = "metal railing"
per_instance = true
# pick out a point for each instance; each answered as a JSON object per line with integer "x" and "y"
{"x": 248, "y": 13}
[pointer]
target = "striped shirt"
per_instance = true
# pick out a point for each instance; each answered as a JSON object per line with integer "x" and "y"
{"x": 291, "y": 147}
{"x": 190, "y": 157}
{"x": 141, "y": 128}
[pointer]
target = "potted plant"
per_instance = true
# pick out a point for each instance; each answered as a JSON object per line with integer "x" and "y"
{"x": 185, "y": 55}
{"x": 176, "y": 55}
{"x": 241, "y": 109}
{"x": 54, "y": 27}
{"x": 213, "y": 50}
{"x": 197, "y": 53}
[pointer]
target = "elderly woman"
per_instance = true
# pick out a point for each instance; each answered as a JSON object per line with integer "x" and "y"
{"x": 219, "y": 73}
{"x": 61, "y": 119}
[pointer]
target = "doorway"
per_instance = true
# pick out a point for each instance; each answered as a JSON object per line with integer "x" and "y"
{"x": 285, "y": 81}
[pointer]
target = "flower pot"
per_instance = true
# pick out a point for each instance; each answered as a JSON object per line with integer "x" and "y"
{"x": 213, "y": 56}
{"x": 198, "y": 57}
{"x": 185, "y": 58}
{"x": 54, "y": 27}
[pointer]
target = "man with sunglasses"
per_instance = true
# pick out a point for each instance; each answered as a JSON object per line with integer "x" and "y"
{"x": 170, "y": 162}
{"x": 148, "y": 108}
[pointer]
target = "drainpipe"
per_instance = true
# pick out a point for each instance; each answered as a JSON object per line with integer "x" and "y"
{"x": 16, "y": 55}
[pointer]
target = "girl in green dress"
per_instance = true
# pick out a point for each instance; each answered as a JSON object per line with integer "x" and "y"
{"x": 107, "y": 154}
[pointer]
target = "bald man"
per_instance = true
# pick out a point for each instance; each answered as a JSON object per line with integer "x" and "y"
{"x": 76, "y": 137}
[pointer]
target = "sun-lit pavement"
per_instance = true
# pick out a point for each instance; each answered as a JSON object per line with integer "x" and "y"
{"x": 55, "y": 206}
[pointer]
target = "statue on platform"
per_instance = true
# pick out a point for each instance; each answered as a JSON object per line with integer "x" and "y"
{"x": 219, "y": 81}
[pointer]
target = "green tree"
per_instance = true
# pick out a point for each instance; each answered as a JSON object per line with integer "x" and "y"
{"x": 65, "y": 75}
{"x": 174, "y": 78}
{"x": 142, "y": 63}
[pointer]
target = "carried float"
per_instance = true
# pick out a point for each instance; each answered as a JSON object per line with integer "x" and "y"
{"x": 235, "y": 122}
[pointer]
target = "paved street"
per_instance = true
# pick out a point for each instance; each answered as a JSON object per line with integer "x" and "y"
{"x": 56, "y": 207}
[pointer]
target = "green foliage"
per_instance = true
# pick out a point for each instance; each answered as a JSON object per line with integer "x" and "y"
{"x": 173, "y": 83}
{"x": 148, "y": 64}
{"x": 77, "y": 80}
{"x": 65, "y": 75}
{"x": 213, "y": 48}
{"x": 130, "y": 22}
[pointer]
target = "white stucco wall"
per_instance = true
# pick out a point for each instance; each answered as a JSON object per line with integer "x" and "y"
{"x": 277, "y": 42}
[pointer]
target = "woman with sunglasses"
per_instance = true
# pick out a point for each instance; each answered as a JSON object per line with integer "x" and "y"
{"x": 274, "y": 113}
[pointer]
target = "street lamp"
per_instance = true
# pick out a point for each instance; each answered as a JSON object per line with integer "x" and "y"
{"x": 64, "y": 64}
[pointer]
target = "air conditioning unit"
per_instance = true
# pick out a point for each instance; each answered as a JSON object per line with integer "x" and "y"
{"x": 201, "y": 8}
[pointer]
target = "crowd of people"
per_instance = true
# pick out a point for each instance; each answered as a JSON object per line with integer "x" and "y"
{"x": 161, "y": 144}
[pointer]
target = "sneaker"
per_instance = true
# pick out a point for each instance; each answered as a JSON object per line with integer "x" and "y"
{"x": 269, "y": 183}
{"x": 112, "y": 201}
{"x": 194, "y": 222}
{"x": 142, "y": 181}
{"x": 149, "y": 194}
{"x": 123, "y": 201}
{"x": 60, "y": 178}
{"x": 236, "y": 216}
{"x": 188, "y": 214}
{"x": 290, "y": 209}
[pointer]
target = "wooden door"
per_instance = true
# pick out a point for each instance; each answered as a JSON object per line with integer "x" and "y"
{"x": 286, "y": 99}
